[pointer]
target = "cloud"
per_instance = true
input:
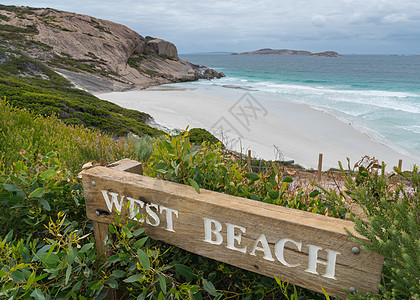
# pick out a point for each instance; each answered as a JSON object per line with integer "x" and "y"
{"x": 319, "y": 20}
{"x": 240, "y": 25}
{"x": 395, "y": 18}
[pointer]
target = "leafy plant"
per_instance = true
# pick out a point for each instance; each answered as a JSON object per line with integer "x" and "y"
{"x": 176, "y": 159}
{"x": 136, "y": 266}
{"x": 143, "y": 146}
{"x": 61, "y": 266}
{"x": 33, "y": 192}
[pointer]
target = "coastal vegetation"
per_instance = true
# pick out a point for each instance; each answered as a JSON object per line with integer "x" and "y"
{"x": 391, "y": 204}
{"x": 47, "y": 249}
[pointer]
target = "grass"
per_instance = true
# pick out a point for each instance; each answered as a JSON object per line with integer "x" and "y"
{"x": 134, "y": 61}
{"x": 164, "y": 56}
{"x": 22, "y": 130}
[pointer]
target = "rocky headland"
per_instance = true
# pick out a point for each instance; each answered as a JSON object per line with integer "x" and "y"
{"x": 269, "y": 51}
{"x": 95, "y": 54}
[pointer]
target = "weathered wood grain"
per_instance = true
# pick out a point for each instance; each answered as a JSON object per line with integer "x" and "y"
{"x": 248, "y": 219}
{"x": 127, "y": 165}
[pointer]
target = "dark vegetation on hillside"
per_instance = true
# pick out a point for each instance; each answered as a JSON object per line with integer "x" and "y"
{"x": 29, "y": 84}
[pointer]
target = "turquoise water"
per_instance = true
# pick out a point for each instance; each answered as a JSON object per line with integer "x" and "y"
{"x": 379, "y": 95}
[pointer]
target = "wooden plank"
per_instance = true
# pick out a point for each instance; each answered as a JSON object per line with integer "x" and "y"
{"x": 127, "y": 165}
{"x": 101, "y": 231}
{"x": 309, "y": 250}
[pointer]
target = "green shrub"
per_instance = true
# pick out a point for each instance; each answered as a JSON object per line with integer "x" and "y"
{"x": 391, "y": 204}
{"x": 135, "y": 61}
{"x": 139, "y": 267}
{"x": 144, "y": 146}
{"x": 149, "y": 38}
{"x": 165, "y": 56}
{"x": 199, "y": 135}
{"x": 65, "y": 265}
{"x": 30, "y": 29}
{"x": 4, "y": 17}
{"x": 150, "y": 72}
{"x": 61, "y": 266}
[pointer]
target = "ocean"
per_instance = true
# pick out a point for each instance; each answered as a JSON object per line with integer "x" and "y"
{"x": 378, "y": 95}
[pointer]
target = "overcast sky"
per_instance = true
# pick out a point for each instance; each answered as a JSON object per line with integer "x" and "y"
{"x": 345, "y": 26}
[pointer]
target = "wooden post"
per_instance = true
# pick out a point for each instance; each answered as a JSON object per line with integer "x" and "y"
{"x": 318, "y": 177}
{"x": 100, "y": 227}
{"x": 100, "y": 231}
{"x": 249, "y": 161}
{"x": 400, "y": 164}
{"x": 383, "y": 170}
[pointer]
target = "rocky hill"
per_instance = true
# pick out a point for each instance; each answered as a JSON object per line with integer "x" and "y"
{"x": 268, "y": 51}
{"x": 94, "y": 54}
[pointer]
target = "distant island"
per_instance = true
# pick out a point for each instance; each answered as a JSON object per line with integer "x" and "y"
{"x": 268, "y": 51}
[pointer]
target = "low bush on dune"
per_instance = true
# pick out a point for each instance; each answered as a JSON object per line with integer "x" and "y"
{"x": 200, "y": 135}
{"x": 47, "y": 247}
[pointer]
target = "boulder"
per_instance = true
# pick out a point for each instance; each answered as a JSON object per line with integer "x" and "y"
{"x": 209, "y": 73}
{"x": 161, "y": 47}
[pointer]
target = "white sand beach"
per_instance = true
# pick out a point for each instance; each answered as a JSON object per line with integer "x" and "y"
{"x": 245, "y": 121}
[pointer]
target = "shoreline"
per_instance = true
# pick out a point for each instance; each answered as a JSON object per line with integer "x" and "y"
{"x": 243, "y": 120}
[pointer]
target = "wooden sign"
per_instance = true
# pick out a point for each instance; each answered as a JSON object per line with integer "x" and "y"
{"x": 309, "y": 250}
